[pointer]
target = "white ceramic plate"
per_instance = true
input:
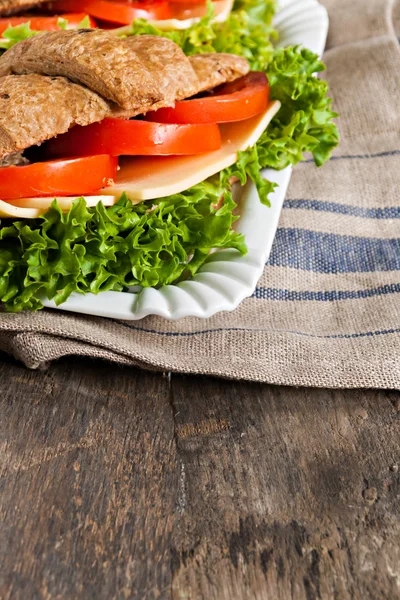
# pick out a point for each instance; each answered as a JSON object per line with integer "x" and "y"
{"x": 227, "y": 277}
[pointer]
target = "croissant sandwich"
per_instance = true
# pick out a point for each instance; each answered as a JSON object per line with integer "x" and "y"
{"x": 120, "y": 150}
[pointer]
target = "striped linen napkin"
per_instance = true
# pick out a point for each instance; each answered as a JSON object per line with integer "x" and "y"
{"x": 326, "y": 312}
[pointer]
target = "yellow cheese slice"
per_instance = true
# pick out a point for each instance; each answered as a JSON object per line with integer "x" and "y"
{"x": 31, "y": 208}
{"x": 8, "y": 210}
{"x": 146, "y": 178}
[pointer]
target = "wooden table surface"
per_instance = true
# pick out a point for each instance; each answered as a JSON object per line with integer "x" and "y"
{"x": 122, "y": 484}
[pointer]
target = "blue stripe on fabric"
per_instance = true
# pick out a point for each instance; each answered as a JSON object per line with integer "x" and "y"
{"x": 260, "y": 330}
{"x": 263, "y": 293}
{"x": 392, "y": 212}
{"x": 331, "y": 253}
{"x": 355, "y": 156}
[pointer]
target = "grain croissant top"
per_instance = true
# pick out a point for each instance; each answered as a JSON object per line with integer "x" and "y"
{"x": 52, "y": 81}
{"x": 92, "y": 57}
{"x": 134, "y": 73}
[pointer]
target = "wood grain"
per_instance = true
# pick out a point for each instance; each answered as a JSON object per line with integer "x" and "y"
{"x": 297, "y": 497}
{"x": 88, "y": 462}
{"x": 116, "y": 483}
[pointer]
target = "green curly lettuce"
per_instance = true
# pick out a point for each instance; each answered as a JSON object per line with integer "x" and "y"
{"x": 150, "y": 244}
{"x": 247, "y": 32}
{"x": 163, "y": 241}
{"x": 302, "y": 125}
{"x": 196, "y": 39}
{"x": 14, "y": 34}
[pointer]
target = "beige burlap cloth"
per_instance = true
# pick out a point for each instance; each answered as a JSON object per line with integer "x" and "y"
{"x": 327, "y": 310}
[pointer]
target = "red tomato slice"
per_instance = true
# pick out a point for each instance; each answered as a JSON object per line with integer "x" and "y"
{"x": 189, "y": 2}
{"x": 122, "y": 12}
{"x": 135, "y": 138}
{"x": 73, "y": 177}
{"x": 45, "y": 23}
{"x": 236, "y": 101}
{"x": 192, "y": 10}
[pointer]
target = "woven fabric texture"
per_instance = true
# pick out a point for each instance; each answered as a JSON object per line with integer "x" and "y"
{"x": 326, "y": 311}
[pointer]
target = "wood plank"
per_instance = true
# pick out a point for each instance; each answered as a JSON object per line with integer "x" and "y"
{"x": 88, "y": 473}
{"x": 116, "y": 483}
{"x": 286, "y": 493}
